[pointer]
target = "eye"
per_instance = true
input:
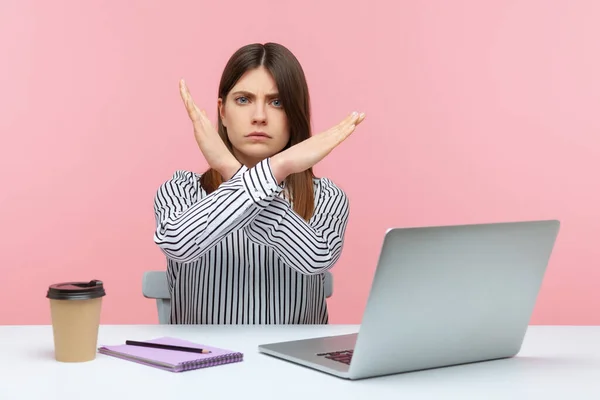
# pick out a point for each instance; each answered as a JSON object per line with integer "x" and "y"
{"x": 241, "y": 99}
{"x": 277, "y": 103}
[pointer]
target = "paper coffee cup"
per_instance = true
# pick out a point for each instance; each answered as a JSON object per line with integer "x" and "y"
{"x": 75, "y": 309}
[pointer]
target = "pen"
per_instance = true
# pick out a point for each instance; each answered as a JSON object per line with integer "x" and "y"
{"x": 166, "y": 347}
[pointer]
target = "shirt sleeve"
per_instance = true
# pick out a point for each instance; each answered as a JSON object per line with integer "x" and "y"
{"x": 189, "y": 224}
{"x": 308, "y": 247}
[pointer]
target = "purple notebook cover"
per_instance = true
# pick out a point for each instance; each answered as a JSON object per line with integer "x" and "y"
{"x": 175, "y": 361}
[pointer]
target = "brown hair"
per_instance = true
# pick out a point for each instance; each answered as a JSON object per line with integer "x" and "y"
{"x": 293, "y": 93}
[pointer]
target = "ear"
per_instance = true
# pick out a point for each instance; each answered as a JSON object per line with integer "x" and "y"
{"x": 221, "y": 107}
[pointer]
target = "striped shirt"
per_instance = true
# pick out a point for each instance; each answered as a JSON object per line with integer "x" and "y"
{"x": 241, "y": 255}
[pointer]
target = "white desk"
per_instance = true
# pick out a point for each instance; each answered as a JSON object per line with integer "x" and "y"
{"x": 555, "y": 362}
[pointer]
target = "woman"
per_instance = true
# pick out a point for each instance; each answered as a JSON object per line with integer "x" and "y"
{"x": 248, "y": 241}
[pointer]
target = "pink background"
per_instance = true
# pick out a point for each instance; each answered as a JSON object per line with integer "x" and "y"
{"x": 478, "y": 111}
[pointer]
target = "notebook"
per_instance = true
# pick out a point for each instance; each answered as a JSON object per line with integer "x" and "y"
{"x": 174, "y": 361}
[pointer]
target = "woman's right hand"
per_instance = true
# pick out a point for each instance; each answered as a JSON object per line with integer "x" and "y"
{"x": 309, "y": 152}
{"x": 214, "y": 150}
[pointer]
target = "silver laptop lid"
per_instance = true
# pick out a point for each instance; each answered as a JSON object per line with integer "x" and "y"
{"x": 452, "y": 294}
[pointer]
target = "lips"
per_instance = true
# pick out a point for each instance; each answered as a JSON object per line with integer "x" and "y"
{"x": 258, "y": 135}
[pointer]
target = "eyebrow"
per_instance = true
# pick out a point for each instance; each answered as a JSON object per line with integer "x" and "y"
{"x": 252, "y": 95}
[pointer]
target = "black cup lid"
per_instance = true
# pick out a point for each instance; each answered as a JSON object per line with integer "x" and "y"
{"x": 76, "y": 290}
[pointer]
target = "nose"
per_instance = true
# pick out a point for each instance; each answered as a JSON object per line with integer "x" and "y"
{"x": 259, "y": 116}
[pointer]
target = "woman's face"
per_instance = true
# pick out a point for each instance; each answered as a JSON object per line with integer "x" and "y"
{"x": 256, "y": 123}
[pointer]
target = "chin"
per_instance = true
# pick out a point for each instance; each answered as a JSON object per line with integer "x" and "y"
{"x": 260, "y": 152}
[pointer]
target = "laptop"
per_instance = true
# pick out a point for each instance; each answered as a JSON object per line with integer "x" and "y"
{"x": 441, "y": 296}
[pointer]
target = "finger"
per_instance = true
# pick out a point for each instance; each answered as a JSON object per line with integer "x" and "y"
{"x": 351, "y": 120}
{"x": 348, "y": 120}
{"x": 339, "y": 132}
{"x": 361, "y": 118}
{"x": 349, "y": 129}
{"x": 191, "y": 107}
{"x": 183, "y": 91}
{"x": 342, "y": 123}
{"x": 185, "y": 94}
{"x": 203, "y": 116}
{"x": 182, "y": 94}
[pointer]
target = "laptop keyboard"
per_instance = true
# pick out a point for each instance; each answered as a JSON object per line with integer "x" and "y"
{"x": 343, "y": 356}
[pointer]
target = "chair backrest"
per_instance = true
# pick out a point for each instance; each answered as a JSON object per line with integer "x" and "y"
{"x": 155, "y": 286}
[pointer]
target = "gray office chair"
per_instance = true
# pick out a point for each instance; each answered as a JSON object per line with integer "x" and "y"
{"x": 155, "y": 286}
